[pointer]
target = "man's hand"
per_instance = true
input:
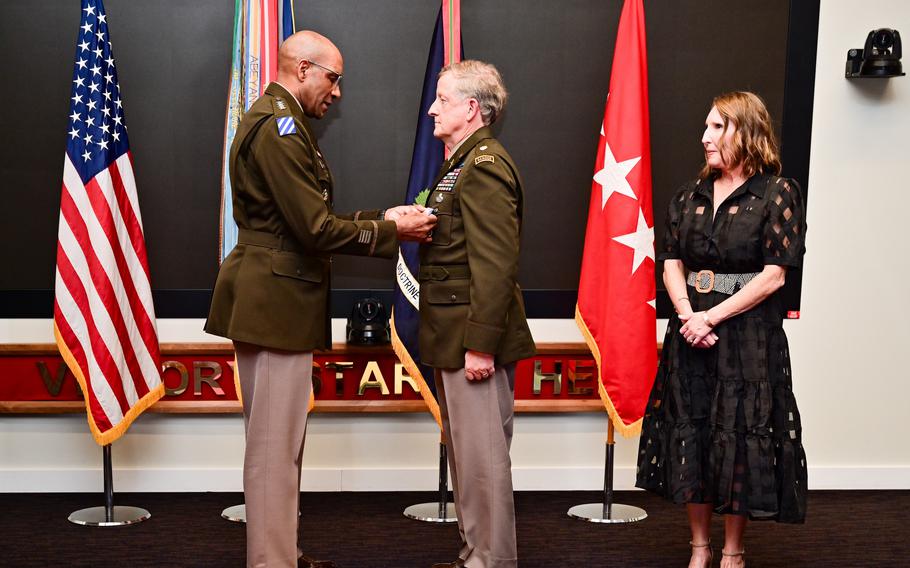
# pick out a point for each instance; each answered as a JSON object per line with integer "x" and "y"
{"x": 478, "y": 366}
{"x": 395, "y": 213}
{"x": 415, "y": 226}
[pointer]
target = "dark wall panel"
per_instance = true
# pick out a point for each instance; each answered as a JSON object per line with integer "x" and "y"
{"x": 173, "y": 61}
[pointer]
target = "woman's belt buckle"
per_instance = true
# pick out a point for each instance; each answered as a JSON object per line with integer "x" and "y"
{"x": 704, "y": 281}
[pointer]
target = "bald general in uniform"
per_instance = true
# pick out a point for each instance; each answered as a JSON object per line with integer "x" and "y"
{"x": 272, "y": 293}
{"x": 472, "y": 320}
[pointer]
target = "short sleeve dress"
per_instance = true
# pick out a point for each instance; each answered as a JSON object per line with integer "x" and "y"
{"x": 721, "y": 425}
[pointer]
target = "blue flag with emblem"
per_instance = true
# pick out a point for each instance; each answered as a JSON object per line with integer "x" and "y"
{"x": 426, "y": 160}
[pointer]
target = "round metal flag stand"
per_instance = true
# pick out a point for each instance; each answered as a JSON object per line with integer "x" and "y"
{"x": 108, "y": 515}
{"x": 235, "y": 513}
{"x": 442, "y": 511}
{"x": 608, "y": 511}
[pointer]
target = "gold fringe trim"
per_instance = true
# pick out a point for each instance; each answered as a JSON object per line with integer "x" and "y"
{"x": 414, "y": 372}
{"x": 237, "y": 381}
{"x": 109, "y": 437}
{"x": 626, "y": 430}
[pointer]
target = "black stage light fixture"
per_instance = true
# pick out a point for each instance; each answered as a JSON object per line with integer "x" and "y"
{"x": 880, "y": 58}
{"x": 368, "y": 323}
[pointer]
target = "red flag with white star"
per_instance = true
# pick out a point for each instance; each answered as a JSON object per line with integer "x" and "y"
{"x": 616, "y": 291}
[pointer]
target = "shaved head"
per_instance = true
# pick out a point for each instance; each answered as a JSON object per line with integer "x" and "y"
{"x": 307, "y": 45}
{"x": 310, "y": 67}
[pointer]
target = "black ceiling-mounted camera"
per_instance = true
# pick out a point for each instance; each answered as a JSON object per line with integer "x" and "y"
{"x": 880, "y": 58}
{"x": 368, "y": 324}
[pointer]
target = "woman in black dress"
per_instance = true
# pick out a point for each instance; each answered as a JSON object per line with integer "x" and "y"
{"x": 721, "y": 432}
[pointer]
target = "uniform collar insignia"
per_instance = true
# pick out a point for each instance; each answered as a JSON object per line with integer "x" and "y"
{"x": 469, "y": 144}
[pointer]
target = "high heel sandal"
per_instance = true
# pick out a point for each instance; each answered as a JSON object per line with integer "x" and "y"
{"x": 741, "y": 554}
{"x": 704, "y": 545}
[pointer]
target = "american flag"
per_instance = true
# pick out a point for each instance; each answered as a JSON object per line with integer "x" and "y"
{"x": 104, "y": 319}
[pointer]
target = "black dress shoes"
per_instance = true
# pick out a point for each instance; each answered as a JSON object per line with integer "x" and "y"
{"x": 306, "y": 562}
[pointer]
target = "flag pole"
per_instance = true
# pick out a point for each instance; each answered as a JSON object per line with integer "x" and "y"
{"x": 608, "y": 511}
{"x": 436, "y": 512}
{"x": 445, "y": 48}
{"x": 236, "y": 513}
{"x": 238, "y": 103}
{"x": 108, "y": 515}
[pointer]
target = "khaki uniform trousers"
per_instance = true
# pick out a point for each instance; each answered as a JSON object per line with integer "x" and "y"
{"x": 276, "y": 388}
{"x": 477, "y": 423}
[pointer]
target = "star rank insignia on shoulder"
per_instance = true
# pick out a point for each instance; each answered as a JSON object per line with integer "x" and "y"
{"x": 280, "y": 104}
{"x": 484, "y": 158}
{"x": 286, "y": 125}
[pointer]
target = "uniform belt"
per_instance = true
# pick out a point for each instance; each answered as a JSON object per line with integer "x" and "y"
{"x": 705, "y": 281}
{"x": 444, "y": 272}
{"x": 267, "y": 240}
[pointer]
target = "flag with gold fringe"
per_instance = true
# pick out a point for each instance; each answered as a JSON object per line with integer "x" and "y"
{"x": 104, "y": 318}
{"x": 616, "y": 291}
{"x": 429, "y": 153}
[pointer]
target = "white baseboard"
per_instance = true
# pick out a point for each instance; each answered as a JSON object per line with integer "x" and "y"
{"x": 413, "y": 479}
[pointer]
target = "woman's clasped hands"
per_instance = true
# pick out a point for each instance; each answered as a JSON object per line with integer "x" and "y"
{"x": 697, "y": 331}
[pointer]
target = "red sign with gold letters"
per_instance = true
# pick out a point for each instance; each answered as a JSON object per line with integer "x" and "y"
{"x": 200, "y": 378}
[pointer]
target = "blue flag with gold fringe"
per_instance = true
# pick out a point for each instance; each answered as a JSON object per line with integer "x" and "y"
{"x": 426, "y": 160}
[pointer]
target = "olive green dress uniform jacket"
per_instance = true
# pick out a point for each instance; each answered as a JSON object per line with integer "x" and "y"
{"x": 469, "y": 294}
{"x": 273, "y": 288}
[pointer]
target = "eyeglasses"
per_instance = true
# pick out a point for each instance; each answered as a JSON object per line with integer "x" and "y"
{"x": 337, "y": 75}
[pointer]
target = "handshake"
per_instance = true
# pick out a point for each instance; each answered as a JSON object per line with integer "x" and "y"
{"x": 414, "y": 222}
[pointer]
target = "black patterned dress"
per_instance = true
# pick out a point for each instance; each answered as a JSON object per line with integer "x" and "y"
{"x": 721, "y": 425}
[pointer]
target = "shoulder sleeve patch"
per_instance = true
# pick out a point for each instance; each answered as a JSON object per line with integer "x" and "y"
{"x": 286, "y": 125}
{"x": 484, "y": 158}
